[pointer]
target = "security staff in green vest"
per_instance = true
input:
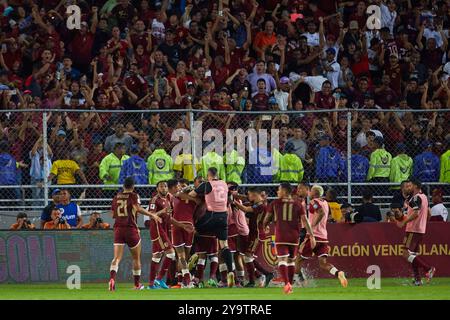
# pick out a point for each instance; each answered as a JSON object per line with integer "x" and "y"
{"x": 212, "y": 160}
{"x": 159, "y": 165}
{"x": 401, "y": 166}
{"x": 445, "y": 164}
{"x": 110, "y": 166}
{"x": 234, "y": 166}
{"x": 379, "y": 166}
{"x": 291, "y": 166}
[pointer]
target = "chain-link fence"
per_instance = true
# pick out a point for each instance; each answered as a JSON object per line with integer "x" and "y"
{"x": 90, "y": 152}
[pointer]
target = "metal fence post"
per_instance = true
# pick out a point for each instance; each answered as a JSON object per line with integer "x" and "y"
{"x": 191, "y": 129}
{"x": 349, "y": 157}
{"x": 45, "y": 147}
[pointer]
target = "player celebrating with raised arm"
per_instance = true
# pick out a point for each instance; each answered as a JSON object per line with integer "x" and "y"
{"x": 318, "y": 217}
{"x": 416, "y": 224}
{"x": 214, "y": 221}
{"x": 161, "y": 205}
{"x": 125, "y": 207}
{"x": 288, "y": 215}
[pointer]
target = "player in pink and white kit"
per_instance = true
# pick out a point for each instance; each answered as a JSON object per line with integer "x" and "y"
{"x": 416, "y": 225}
{"x": 318, "y": 217}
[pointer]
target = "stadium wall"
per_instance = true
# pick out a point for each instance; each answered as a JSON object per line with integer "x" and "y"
{"x": 44, "y": 256}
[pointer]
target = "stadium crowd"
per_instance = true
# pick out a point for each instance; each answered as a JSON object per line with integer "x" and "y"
{"x": 223, "y": 55}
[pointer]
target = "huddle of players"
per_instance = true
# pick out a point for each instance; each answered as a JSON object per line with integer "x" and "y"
{"x": 219, "y": 215}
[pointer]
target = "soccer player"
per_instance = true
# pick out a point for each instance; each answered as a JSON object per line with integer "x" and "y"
{"x": 301, "y": 194}
{"x": 248, "y": 244}
{"x": 183, "y": 212}
{"x": 161, "y": 205}
{"x": 125, "y": 207}
{"x": 416, "y": 224}
{"x": 287, "y": 214}
{"x": 318, "y": 217}
{"x": 214, "y": 221}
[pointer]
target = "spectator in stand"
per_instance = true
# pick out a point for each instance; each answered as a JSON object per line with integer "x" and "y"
{"x": 438, "y": 211}
{"x": 120, "y": 136}
{"x": 95, "y": 222}
{"x": 22, "y": 223}
{"x": 38, "y": 170}
{"x": 46, "y": 214}
{"x": 426, "y": 164}
{"x": 8, "y": 173}
{"x": 260, "y": 73}
{"x": 134, "y": 167}
{"x": 328, "y": 161}
{"x": 65, "y": 170}
{"x": 401, "y": 165}
{"x": 369, "y": 211}
{"x": 379, "y": 165}
{"x": 110, "y": 167}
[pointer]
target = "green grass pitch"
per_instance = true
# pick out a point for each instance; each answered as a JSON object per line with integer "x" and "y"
{"x": 391, "y": 288}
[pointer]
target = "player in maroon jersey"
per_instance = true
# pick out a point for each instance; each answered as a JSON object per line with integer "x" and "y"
{"x": 248, "y": 244}
{"x": 288, "y": 216}
{"x": 125, "y": 207}
{"x": 161, "y": 205}
{"x": 317, "y": 243}
{"x": 183, "y": 211}
{"x": 301, "y": 194}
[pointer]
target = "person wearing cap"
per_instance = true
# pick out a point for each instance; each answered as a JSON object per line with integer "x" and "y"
{"x": 110, "y": 167}
{"x": 282, "y": 94}
{"x": 426, "y": 164}
{"x": 379, "y": 164}
{"x": 401, "y": 166}
{"x": 445, "y": 163}
{"x": 331, "y": 68}
{"x": 290, "y": 166}
{"x": 46, "y": 214}
{"x": 438, "y": 211}
{"x": 159, "y": 165}
{"x": 352, "y": 36}
{"x": 134, "y": 167}
{"x": 328, "y": 161}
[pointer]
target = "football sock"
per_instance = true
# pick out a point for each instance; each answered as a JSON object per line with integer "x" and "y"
{"x": 113, "y": 272}
{"x": 420, "y": 263}
{"x": 200, "y": 269}
{"x": 334, "y": 271}
{"x": 154, "y": 266}
{"x": 168, "y": 259}
{"x": 291, "y": 271}
{"x": 282, "y": 268}
{"x": 137, "y": 277}
{"x": 213, "y": 267}
{"x": 227, "y": 257}
{"x": 186, "y": 276}
{"x": 223, "y": 272}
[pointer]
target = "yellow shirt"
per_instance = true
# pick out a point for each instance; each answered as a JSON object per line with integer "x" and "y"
{"x": 65, "y": 170}
{"x": 335, "y": 209}
{"x": 183, "y": 163}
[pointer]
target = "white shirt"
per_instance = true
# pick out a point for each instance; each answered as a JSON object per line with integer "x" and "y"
{"x": 439, "y": 210}
{"x": 158, "y": 30}
{"x": 282, "y": 99}
{"x": 313, "y": 39}
{"x": 427, "y": 33}
{"x": 333, "y": 76}
{"x": 314, "y": 82}
{"x": 361, "y": 138}
{"x": 388, "y": 18}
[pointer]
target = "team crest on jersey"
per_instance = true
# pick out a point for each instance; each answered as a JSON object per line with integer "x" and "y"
{"x": 152, "y": 206}
{"x": 403, "y": 169}
{"x": 160, "y": 163}
{"x": 384, "y": 160}
{"x": 427, "y": 162}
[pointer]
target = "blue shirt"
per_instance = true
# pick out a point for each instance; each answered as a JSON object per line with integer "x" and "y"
{"x": 8, "y": 170}
{"x": 70, "y": 211}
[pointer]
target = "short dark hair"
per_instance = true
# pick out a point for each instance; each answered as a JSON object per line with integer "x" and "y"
{"x": 212, "y": 171}
{"x": 255, "y": 189}
{"x": 286, "y": 186}
{"x": 159, "y": 182}
{"x": 367, "y": 194}
{"x": 416, "y": 182}
{"x": 333, "y": 194}
{"x": 172, "y": 183}
{"x": 119, "y": 145}
{"x": 183, "y": 180}
{"x": 21, "y": 215}
{"x": 128, "y": 183}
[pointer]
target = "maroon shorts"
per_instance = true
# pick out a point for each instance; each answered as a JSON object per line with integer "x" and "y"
{"x": 412, "y": 241}
{"x": 206, "y": 244}
{"x": 126, "y": 235}
{"x": 181, "y": 237}
{"x": 162, "y": 242}
{"x": 320, "y": 250}
{"x": 286, "y": 250}
{"x": 247, "y": 244}
{"x": 232, "y": 242}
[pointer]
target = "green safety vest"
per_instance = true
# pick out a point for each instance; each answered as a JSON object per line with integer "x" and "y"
{"x": 111, "y": 165}
{"x": 234, "y": 166}
{"x": 401, "y": 169}
{"x": 445, "y": 167}
{"x": 276, "y": 156}
{"x": 291, "y": 168}
{"x": 160, "y": 166}
{"x": 212, "y": 159}
{"x": 380, "y": 164}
